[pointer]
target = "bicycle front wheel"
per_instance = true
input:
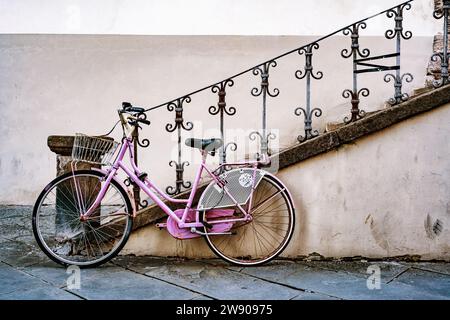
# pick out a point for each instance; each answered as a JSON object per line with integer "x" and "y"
{"x": 264, "y": 237}
{"x": 67, "y": 239}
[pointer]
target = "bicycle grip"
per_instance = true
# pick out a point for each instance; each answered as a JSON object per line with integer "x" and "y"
{"x": 144, "y": 121}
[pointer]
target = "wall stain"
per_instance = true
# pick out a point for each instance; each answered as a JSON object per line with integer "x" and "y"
{"x": 378, "y": 154}
{"x": 433, "y": 228}
{"x": 383, "y": 231}
{"x": 16, "y": 165}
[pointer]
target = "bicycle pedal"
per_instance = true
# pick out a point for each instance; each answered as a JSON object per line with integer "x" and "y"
{"x": 142, "y": 176}
{"x": 161, "y": 225}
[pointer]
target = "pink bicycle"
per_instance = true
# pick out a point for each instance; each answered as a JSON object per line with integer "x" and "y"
{"x": 84, "y": 217}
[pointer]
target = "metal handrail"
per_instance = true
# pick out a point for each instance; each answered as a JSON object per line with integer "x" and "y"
{"x": 362, "y": 61}
{"x": 279, "y": 56}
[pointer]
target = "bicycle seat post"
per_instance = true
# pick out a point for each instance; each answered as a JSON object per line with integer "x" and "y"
{"x": 204, "y": 155}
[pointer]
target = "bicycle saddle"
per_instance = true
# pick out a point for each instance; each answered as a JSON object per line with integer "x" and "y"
{"x": 209, "y": 145}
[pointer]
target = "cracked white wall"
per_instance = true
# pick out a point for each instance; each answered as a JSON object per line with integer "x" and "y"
{"x": 63, "y": 84}
{"x": 203, "y": 17}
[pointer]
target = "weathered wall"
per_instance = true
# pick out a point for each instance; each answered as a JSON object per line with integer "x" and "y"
{"x": 377, "y": 197}
{"x": 62, "y": 84}
{"x": 202, "y": 17}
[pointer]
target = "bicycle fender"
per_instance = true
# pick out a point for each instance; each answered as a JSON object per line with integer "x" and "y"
{"x": 283, "y": 186}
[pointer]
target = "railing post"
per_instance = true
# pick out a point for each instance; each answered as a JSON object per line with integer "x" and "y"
{"x": 179, "y": 124}
{"x": 442, "y": 56}
{"x": 263, "y": 71}
{"x": 398, "y": 33}
{"x": 221, "y": 108}
{"x": 308, "y": 73}
{"x": 355, "y": 52}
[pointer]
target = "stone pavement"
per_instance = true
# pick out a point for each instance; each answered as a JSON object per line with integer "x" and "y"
{"x": 26, "y": 273}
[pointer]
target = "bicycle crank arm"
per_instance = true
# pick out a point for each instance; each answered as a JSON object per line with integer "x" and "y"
{"x": 194, "y": 230}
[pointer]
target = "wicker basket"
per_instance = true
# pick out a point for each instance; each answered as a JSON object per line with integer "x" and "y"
{"x": 95, "y": 150}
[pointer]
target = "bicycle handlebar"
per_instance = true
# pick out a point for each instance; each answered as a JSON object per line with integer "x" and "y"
{"x": 128, "y": 107}
{"x": 144, "y": 121}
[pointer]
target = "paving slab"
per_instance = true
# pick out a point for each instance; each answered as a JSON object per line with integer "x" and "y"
{"x": 439, "y": 267}
{"x": 41, "y": 292}
{"x": 426, "y": 281}
{"x": 20, "y": 254}
{"x": 12, "y": 279}
{"x": 338, "y": 284}
{"x": 16, "y": 284}
{"x": 114, "y": 283}
{"x": 388, "y": 270}
{"x": 213, "y": 281}
{"x": 50, "y": 272}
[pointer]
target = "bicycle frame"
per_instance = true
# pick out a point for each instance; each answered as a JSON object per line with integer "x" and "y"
{"x": 153, "y": 191}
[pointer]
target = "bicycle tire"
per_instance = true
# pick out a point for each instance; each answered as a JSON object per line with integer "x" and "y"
{"x": 51, "y": 186}
{"x": 276, "y": 252}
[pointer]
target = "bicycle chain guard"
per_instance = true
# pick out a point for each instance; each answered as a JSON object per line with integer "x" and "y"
{"x": 185, "y": 233}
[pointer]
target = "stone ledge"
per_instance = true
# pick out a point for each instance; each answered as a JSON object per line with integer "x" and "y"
{"x": 61, "y": 145}
{"x": 368, "y": 125}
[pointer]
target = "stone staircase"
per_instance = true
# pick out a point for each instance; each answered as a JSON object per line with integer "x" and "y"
{"x": 337, "y": 135}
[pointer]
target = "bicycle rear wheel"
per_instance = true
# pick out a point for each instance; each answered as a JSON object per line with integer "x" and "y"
{"x": 68, "y": 240}
{"x": 263, "y": 238}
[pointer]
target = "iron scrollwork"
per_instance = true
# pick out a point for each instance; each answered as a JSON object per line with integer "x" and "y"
{"x": 355, "y": 52}
{"x": 222, "y": 109}
{"x": 399, "y": 34}
{"x": 398, "y": 83}
{"x": 177, "y": 107}
{"x": 144, "y": 143}
{"x": 397, "y": 14}
{"x": 308, "y": 74}
{"x": 355, "y": 98}
{"x": 443, "y": 56}
{"x": 264, "y": 90}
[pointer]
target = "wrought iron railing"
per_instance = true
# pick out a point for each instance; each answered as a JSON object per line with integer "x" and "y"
{"x": 362, "y": 61}
{"x": 439, "y": 13}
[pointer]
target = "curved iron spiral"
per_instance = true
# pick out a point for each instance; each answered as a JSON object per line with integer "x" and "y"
{"x": 221, "y": 105}
{"x": 439, "y": 56}
{"x": 397, "y": 14}
{"x": 355, "y": 48}
{"x": 177, "y": 106}
{"x": 356, "y": 112}
{"x": 309, "y": 132}
{"x": 308, "y": 69}
{"x": 180, "y": 183}
{"x": 398, "y": 81}
{"x": 263, "y": 71}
